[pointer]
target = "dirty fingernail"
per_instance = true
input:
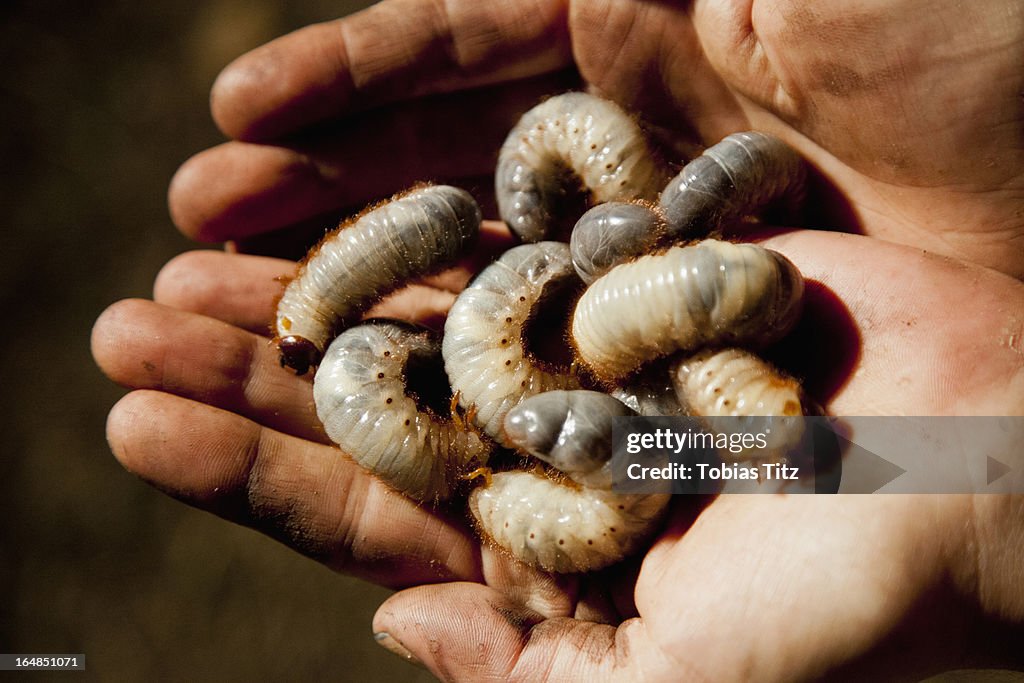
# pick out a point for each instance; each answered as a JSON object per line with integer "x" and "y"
{"x": 391, "y": 644}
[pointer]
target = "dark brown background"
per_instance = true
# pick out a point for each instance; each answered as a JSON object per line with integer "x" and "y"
{"x": 99, "y": 104}
{"x": 101, "y": 101}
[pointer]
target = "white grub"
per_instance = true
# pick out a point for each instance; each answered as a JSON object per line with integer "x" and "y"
{"x": 571, "y": 139}
{"x": 367, "y": 406}
{"x": 738, "y": 177}
{"x": 710, "y": 294}
{"x": 379, "y": 251}
{"x": 485, "y": 354}
{"x": 563, "y": 528}
{"x": 734, "y": 383}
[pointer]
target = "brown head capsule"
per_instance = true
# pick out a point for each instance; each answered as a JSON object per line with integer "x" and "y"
{"x": 298, "y": 353}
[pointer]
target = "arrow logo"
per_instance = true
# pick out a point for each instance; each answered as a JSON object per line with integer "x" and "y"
{"x": 995, "y": 469}
{"x": 863, "y": 471}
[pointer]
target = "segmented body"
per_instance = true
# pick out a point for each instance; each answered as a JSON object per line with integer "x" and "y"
{"x": 560, "y": 527}
{"x": 381, "y": 250}
{"x": 734, "y": 383}
{"x": 737, "y": 177}
{"x": 485, "y": 354}
{"x": 712, "y": 293}
{"x": 573, "y": 135}
{"x": 363, "y": 399}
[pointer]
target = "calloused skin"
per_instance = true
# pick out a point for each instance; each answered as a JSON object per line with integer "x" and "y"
{"x": 910, "y": 110}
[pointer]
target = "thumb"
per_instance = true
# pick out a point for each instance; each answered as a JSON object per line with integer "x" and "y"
{"x": 470, "y": 632}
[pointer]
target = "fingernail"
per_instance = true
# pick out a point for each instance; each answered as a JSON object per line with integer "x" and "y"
{"x": 391, "y": 644}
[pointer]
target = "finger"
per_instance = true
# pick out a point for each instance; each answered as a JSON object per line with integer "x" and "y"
{"x": 547, "y": 595}
{"x": 237, "y": 289}
{"x": 307, "y": 495}
{"x": 471, "y": 632}
{"x": 604, "y": 596}
{"x": 144, "y": 345}
{"x": 395, "y": 50}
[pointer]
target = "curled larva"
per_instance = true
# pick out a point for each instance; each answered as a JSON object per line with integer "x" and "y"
{"x": 735, "y": 178}
{"x": 734, "y": 383}
{"x": 494, "y": 324}
{"x": 565, "y": 144}
{"x": 562, "y": 527}
{"x": 379, "y": 251}
{"x": 712, "y": 293}
{"x": 569, "y": 430}
{"x": 611, "y": 233}
{"x": 382, "y": 396}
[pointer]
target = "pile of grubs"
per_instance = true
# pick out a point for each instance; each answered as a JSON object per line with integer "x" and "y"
{"x": 638, "y": 315}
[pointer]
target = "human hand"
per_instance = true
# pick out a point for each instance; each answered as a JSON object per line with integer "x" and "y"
{"x": 883, "y": 123}
{"x": 791, "y": 588}
{"x": 911, "y": 111}
{"x": 787, "y": 587}
{"x": 216, "y": 422}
